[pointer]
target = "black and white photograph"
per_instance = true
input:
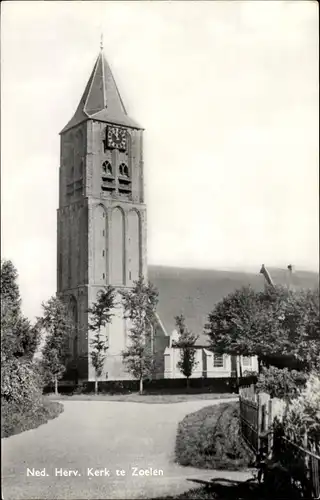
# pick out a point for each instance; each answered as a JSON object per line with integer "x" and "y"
{"x": 160, "y": 326}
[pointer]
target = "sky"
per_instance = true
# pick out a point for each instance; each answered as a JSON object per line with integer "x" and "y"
{"x": 228, "y": 95}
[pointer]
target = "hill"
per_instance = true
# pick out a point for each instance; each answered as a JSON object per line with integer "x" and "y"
{"x": 194, "y": 292}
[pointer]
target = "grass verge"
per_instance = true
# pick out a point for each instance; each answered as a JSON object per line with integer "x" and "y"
{"x": 144, "y": 398}
{"x": 210, "y": 439}
{"x": 14, "y": 421}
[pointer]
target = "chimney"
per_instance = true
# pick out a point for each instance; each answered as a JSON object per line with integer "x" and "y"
{"x": 290, "y": 273}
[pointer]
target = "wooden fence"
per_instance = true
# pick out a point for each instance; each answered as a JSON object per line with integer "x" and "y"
{"x": 249, "y": 419}
{"x": 302, "y": 460}
{"x": 257, "y": 415}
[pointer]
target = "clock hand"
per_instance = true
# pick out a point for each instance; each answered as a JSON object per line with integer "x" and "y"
{"x": 115, "y": 139}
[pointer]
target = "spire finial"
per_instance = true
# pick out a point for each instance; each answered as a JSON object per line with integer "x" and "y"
{"x": 101, "y": 41}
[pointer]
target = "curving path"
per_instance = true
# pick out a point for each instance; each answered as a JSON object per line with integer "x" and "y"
{"x": 101, "y": 435}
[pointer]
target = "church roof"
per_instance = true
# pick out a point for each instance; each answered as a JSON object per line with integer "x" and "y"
{"x": 194, "y": 292}
{"x": 101, "y": 99}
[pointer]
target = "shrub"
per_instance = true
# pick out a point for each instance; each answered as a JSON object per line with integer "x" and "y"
{"x": 210, "y": 438}
{"x": 301, "y": 425}
{"x": 250, "y": 373}
{"x": 304, "y": 412}
{"x": 20, "y": 383}
{"x": 15, "y": 420}
{"x": 281, "y": 383}
{"x": 22, "y": 404}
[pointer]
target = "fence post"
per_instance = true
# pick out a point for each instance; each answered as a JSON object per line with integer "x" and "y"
{"x": 305, "y": 446}
{"x": 259, "y": 421}
{"x": 270, "y": 426}
{"x": 267, "y": 417}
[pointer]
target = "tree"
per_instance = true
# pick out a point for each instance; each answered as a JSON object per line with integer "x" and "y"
{"x": 21, "y": 386}
{"x": 289, "y": 321}
{"x": 19, "y": 338}
{"x": 186, "y": 344}
{"x": 139, "y": 304}
{"x": 9, "y": 318}
{"x": 59, "y": 329}
{"x": 279, "y": 325}
{"x": 9, "y": 286}
{"x": 231, "y": 324}
{"x": 100, "y": 315}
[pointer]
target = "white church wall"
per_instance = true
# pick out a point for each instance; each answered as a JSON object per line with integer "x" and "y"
{"x": 214, "y": 365}
{"x": 214, "y": 370}
{"x": 249, "y": 363}
{"x": 172, "y": 358}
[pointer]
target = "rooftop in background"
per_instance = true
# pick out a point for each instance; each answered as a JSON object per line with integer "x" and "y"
{"x": 194, "y": 292}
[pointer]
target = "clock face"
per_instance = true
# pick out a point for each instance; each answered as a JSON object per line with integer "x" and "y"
{"x": 117, "y": 138}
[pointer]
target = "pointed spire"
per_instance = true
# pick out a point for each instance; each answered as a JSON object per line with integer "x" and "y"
{"x": 101, "y": 99}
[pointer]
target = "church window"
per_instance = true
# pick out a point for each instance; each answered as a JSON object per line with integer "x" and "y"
{"x": 246, "y": 361}
{"x": 103, "y": 233}
{"x": 123, "y": 170}
{"x": 103, "y": 276}
{"x": 102, "y": 253}
{"x": 218, "y": 361}
{"x": 107, "y": 168}
{"x": 124, "y": 180}
{"x": 108, "y": 180}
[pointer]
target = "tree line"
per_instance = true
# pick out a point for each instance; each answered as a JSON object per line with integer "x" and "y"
{"x": 55, "y": 329}
{"x": 139, "y": 306}
{"x": 279, "y": 325}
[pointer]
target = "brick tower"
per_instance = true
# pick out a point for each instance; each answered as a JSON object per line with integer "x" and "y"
{"x": 101, "y": 227}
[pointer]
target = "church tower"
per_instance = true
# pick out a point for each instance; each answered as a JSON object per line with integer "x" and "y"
{"x": 101, "y": 227}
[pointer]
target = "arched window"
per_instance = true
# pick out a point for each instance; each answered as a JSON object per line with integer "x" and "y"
{"x": 107, "y": 168}
{"x": 123, "y": 170}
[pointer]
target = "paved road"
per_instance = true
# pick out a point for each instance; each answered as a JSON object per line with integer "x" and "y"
{"x": 96, "y": 435}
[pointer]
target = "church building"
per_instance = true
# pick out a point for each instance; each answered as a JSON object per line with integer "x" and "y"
{"x": 102, "y": 240}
